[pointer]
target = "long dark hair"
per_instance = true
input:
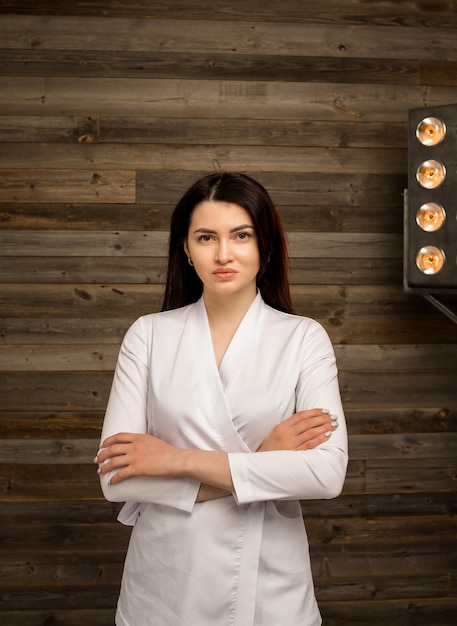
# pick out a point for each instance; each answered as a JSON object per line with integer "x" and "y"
{"x": 183, "y": 285}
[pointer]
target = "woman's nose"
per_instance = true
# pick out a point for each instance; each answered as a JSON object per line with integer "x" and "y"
{"x": 223, "y": 252}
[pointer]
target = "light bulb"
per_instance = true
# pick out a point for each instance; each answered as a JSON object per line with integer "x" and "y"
{"x": 431, "y": 174}
{"x": 430, "y": 260}
{"x": 430, "y": 217}
{"x": 431, "y": 131}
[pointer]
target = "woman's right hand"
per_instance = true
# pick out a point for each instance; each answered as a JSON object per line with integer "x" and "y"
{"x": 304, "y": 430}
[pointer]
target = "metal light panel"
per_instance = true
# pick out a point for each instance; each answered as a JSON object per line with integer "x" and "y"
{"x": 430, "y": 233}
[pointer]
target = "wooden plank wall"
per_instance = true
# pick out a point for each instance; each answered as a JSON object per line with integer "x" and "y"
{"x": 108, "y": 110}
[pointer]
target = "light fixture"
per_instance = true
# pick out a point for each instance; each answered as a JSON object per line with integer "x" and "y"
{"x": 431, "y": 174}
{"x": 430, "y": 205}
{"x": 430, "y": 131}
{"x": 430, "y": 260}
{"x": 430, "y": 216}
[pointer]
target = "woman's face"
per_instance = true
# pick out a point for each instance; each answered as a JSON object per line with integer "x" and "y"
{"x": 222, "y": 245}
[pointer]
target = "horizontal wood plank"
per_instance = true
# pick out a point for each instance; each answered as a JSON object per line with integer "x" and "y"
{"x": 47, "y": 509}
{"x": 105, "y": 595}
{"x": 381, "y": 613}
{"x": 58, "y": 358}
{"x": 69, "y": 617}
{"x": 396, "y": 357}
{"x": 383, "y": 420}
{"x": 225, "y": 66}
{"x": 378, "y": 532}
{"x": 305, "y": 217}
{"x": 165, "y": 156}
{"x": 87, "y": 568}
{"x": 33, "y": 423}
{"x": 102, "y": 357}
{"x": 327, "y": 561}
{"x": 365, "y": 301}
{"x": 403, "y": 14}
{"x": 30, "y": 243}
{"x": 44, "y": 391}
{"x": 348, "y": 326}
{"x": 225, "y": 99}
{"x": 83, "y": 537}
{"x": 55, "y": 424}
{"x": 66, "y": 330}
{"x": 75, "y": 300}
{"x": 351, "y": 314}
{"x": 210, "y": 36}
{"x": 147, "y": 270}
{"x": 66, "y": 185}
{"x": 89, "y": 390}
{"x": 78, "y": 537}
{"x": 372, "y": 388}
{"x": 50, "y": 482}
{"x": 382, "y": 588}
{"x": 183, "y": 130}
{"x": 434, "y": 502}
{"x": 296, "y": 189}
{"x": 373, "y": 447}
{"x": 409, "y": 475}
{"x": 54, "y": 597}
{"x": 60, "y": 510}
{"x": 332, "y": 561}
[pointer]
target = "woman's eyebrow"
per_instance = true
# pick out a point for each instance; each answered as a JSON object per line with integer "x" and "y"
{"x": 242, "y": 227}
{"x": 232, "y": 230}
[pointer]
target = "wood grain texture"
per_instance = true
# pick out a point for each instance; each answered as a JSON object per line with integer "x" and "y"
{"x": 61, "y": 185}
{"x": 108, "y": 111}
{"x": 86, "y": 424}
{"x": 139, "y": 130}
{"x": 413, "y": 448}
{"x": 102, "y": 356}
{"x": 227, "y": 36}
{"x": 141, "y": 157}
{"x": 119, "y": 244}
{"x": 408, "y": 13}
{"x": 216, "y": 99}
{"x": 225, "y": 66}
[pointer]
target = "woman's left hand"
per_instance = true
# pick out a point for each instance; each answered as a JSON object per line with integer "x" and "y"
{"x": 135, "y": 454}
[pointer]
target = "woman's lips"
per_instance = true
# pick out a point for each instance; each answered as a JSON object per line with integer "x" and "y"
{"x": 224, "y": 273}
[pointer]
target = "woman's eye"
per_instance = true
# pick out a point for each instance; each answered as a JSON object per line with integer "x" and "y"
{"x": 244, "y": 235}
{"x": 204, "y": 238}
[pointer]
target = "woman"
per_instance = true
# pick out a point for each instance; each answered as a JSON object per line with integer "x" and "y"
{"x": 224, "y": 412}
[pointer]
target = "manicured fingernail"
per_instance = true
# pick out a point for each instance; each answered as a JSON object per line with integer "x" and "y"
{"x": 99, "y": 471}
{"x": 96, "y": 459}
{"x": 325, "y": 411}
{"x": 329, "y": 434}
{"x": 335, "y": 423}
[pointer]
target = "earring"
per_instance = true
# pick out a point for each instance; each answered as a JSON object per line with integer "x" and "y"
{"x": 189, "y": 260}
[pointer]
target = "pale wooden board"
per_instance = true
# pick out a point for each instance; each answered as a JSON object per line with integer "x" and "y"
{"x": 100, "y": 157}
{"x": 215, "y": 99}
{"x": 236, "y": 37}
{"x": 31, "y": 243}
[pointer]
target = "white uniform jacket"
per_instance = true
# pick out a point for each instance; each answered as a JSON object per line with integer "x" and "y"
{"x": 242, "y": 560}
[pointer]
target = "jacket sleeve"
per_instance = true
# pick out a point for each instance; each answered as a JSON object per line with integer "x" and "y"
{"x": 304, "y": 474}
{"x": 127, "y": 412}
